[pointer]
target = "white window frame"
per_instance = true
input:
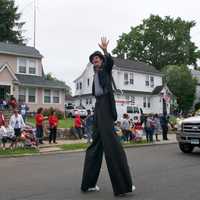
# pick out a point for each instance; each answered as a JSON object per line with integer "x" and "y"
{"x": 147, "y": 81}
{"x": 126, "y": 80}
{"x": 52, "y": 91}
{"x": 35, "y": 61}
{"x": 145, "y": 102}
{"x": 27, "y": 94}
{"x": 51, "y": 96}
{"x": 24, "y": 93}
{"x": 131, "y": 78}
{"x": 27, "y": 66}
{"x": 152, "y": 81}
{"x": 148, "y": 102}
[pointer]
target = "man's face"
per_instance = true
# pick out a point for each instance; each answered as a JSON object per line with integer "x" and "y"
{"x": 97, "y": 61}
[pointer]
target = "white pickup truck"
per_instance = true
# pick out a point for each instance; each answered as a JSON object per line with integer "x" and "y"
{"x": 188, "y": 134}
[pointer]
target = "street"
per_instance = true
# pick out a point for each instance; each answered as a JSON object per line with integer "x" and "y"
{"x": 160, "y": 172}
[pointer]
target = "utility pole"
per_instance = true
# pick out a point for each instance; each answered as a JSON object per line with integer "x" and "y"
{"x": 34, "y": 23}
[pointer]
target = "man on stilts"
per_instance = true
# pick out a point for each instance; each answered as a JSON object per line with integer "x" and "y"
{"x": 104, "y": 139}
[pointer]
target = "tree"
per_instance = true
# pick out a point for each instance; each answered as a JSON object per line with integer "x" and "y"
{"x": 182, "y": 85}
{"x": 159, "y": 42}
{"x": 10, "y": 27}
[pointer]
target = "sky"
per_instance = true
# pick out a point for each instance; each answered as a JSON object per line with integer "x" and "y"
{"x": 68, "y": 31}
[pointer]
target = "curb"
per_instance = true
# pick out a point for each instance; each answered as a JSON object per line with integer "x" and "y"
{"x": 80, "y": 150}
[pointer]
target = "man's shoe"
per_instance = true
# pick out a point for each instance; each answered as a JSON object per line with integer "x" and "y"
{"x": 127, "y": 193}
{"x": 133, "y": 188}
{"x": 93, "y": 189}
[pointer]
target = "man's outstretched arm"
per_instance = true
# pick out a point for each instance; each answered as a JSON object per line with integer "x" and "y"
{"x": 108, "y": 57}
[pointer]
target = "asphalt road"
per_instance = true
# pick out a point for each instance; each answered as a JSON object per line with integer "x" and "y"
{"x": 160, "y": 172}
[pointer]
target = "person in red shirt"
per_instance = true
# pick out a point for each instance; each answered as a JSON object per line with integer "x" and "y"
{"x": 2, "y": 119}
{"x": 39, "y": 118}
{"x": 78, "y": 125}
{"x": 53, "y": 123}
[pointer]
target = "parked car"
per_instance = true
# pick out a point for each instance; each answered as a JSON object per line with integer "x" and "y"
{"x": 81, "y": 110}
{"x": 68, "y": 110}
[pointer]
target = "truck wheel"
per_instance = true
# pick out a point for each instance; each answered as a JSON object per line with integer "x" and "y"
{"x": 186, "y": 148}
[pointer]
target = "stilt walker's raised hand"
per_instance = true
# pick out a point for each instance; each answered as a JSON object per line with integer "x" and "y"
{"x": 104, "y": 44}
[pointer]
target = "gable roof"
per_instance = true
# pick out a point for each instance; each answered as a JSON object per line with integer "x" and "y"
{"x": 4, "y": 66}
{"x": 125, "y": 64}
{"x": 19, "y": 50}
{"x": 157, "y": 89}
{"x": 39, "y": 81}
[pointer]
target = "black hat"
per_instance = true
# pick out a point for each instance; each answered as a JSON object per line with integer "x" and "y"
{"x": 96, "y": 53}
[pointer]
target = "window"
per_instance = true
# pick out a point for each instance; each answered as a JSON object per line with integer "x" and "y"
{"x": 80, "y": 85}
{"x": 22, "y": 65}
{"x": 88, "y": 82}
{"x": 132, "y": 100}
{"x": 47, "y": 96}
{"x": 125, "y": 78}
{"x": 152, "y": 81}
{"x": 90, "y": 102}
{"x": 27, "y": 66}
{"x": 144, "y": 102}
{"x": 77, "y": 86}
{"x": 131, "y": 79}
{"x": 147, "y": 80}
{"x": 22, "y": 95}
{"x": 129, "y": 109}
{"x": 32, "y": 66}
{"x": 87, "y": 102}
{"x": 148, "y": 102}
{"x": 56, "y": 96}
{"x": 31, "y": 95}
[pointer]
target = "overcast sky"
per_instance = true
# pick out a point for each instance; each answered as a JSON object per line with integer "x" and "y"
{"x": 68, "y": 31}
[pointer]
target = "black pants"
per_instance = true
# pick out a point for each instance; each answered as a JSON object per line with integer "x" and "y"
{"x": 39, "y": 134}
{"x": 17, "y": 132}
{"x": 164, "y": 132}
{"x": 52, "y": 135}
{"x": 104, "y": 140}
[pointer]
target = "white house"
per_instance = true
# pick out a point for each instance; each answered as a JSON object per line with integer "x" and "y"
{"x": 139, "y": 84}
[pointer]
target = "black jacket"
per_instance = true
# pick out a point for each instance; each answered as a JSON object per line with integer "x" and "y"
{"x": 105, "y": 80}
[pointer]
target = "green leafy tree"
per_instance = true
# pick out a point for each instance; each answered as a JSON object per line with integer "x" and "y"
{"x": 159, "y": 42}
{"x": 10, "y": 27}
{"x": 182, "y": 85}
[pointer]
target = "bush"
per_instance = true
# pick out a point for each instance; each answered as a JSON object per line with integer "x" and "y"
{"x": 59, "y": 113}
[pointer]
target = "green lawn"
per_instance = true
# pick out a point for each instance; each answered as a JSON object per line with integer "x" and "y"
{"x": 85, "y": 145}
{"x": 18, "y": 151}
{"x": 62, "y": 122}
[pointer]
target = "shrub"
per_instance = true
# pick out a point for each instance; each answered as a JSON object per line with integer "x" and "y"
{"x": 59, "y": 113}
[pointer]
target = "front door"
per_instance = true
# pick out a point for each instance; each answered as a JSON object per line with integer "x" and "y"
{"x": 4, "y": 91}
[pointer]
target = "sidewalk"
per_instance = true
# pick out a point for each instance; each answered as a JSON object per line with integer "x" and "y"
{"x": 46, "y": 147}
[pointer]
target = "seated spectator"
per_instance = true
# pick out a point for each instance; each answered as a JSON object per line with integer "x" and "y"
{"x": 118, "y": 131}
{"x": 17, "y": 123}
{"x": 7, "y": 134}
{"x": 1, "y": 104}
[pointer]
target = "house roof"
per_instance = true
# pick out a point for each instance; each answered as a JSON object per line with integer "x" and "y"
{"x": 19, "y": 50}
{"x": 157, "y": 89}
{"x": 125, "y": 64}
{"x": 39, "y": 81}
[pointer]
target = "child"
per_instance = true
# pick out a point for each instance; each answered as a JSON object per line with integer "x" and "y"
{"x": 7, "y": 134}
